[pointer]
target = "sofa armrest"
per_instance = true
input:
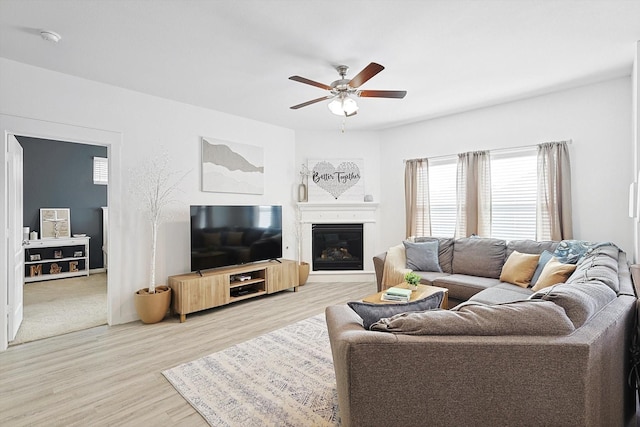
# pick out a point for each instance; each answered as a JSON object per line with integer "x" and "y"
{"x": 378, "y": 265}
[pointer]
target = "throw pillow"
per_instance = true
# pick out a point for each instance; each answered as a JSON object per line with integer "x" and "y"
{"x": 234, "y": 238}
{"x": 570, "y": 251}
{"x": 422, "y": 256}
{"x": 519, "y": 268}
{"x": 516, "y": 318}
{"x": 371, "y": 313}
{"x": 212, "y": 240}
{"x": 553, "y": 273}
{"x": 545, "y": 256}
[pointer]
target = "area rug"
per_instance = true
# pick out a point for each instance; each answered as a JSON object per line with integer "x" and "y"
{"x": 282, "y": 378}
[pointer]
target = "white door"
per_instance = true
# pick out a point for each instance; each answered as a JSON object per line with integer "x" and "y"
{"x": 15, "y": 267}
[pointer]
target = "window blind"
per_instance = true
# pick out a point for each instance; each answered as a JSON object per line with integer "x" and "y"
{"x": 442, "y": 195}
{"x": 513, "y": 194}
{"x": 100, "y": 170}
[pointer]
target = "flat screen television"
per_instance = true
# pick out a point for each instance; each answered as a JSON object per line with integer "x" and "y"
{"x": 230, "y": 235}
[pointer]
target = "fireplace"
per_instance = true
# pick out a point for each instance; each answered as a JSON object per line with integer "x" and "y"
{"x": 337, "y": 246}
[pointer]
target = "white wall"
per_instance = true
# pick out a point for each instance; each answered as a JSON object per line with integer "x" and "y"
{"x": 146, "y": 124}
{"x": 596, "y": 117}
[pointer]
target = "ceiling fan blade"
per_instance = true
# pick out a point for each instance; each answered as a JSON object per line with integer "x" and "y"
{"x": 382, "y": 93}
{"x": 313, "y": 101}
{"x": 310, "y": 82}
{"x": 364, "y": 75}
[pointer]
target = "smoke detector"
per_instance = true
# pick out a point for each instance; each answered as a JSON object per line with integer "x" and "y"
{"x": 50, "y": 36}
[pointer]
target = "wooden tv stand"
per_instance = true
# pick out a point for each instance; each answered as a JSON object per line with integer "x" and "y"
{"x": 192, "y": 292}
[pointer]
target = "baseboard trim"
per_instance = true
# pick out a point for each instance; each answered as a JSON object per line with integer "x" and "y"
{"x": 97, "y": 270}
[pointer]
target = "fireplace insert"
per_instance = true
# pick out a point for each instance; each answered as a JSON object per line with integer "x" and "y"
{"x": 337, "y": 246}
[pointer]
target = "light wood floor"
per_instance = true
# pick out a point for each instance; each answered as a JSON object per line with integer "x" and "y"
{"x": 111, "y": 376}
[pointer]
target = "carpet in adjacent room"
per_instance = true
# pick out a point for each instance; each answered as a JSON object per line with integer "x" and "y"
{"x": 57, "y": 307}
{"x": 283, "y": 378}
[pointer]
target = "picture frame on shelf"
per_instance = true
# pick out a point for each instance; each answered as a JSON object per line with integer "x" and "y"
{"x": 57, "y": 254}
{"x": 78, "y": 254}
{"x": 34, "y": 257}
{"x": 55, "y": 223}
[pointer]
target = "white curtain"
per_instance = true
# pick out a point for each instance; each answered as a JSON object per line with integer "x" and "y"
{"x": 553, "y": 213}
{"x": 416, "y": 194}
{"x": 473, "y": 194}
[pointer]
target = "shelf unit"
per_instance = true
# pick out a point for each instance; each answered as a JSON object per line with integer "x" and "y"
{"x": 58, "y": 258}
{"x": 192, "y": 292}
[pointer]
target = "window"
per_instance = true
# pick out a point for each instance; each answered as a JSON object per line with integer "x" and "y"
{"x": 100, "y": 170}
{"x": 513, "y": 194}
{"x": 442, "y": 196}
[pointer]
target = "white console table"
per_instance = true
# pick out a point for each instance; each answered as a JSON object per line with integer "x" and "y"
{"x": 47, "y": 259}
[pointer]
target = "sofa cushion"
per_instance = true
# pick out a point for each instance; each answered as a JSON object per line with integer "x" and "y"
{"x": 445, "y": 251}
{"x": 519, "y": 268}
{"x": 530, "y": 246}
{"x": 371, "y": 313}
{"x": 477, "y": 256}
{"x": 516, "y": 318}
{"x": 579, "y": 301}
{"x": 600, "y": 263}
{"x": 501, "y": 293}
{"x": 553, "y": 273}
{"x": 462, "y": 287}
{"x": 545, "y": 256}
{"x": 422, "y": 256}
{"x": 428, "y": 277}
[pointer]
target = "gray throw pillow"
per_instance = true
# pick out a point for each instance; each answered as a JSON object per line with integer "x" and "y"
{"x": 445, "y": 251}
{"x": 422, "y": 256}
{"x": 532, "y": 317}
{"x": 371, "y": 313}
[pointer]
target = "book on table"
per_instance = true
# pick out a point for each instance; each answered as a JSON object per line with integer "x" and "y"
{"x": 394, "y": 298}
{"x": 396, "y": 294}
{"x": 398, "y": 291}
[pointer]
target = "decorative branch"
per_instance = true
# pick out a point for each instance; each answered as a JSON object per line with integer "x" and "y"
{"x": 155, "y": 184}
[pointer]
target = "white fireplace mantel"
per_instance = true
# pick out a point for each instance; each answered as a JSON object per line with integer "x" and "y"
{"x": 340, "y": 213}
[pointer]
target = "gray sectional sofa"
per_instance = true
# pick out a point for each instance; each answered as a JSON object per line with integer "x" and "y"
{"x": 507, "y": 356}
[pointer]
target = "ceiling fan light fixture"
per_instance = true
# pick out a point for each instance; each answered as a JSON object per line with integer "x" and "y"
{"x": 343, "y": 105}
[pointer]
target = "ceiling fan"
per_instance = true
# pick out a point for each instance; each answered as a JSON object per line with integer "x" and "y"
{"x": 342, "y": 90}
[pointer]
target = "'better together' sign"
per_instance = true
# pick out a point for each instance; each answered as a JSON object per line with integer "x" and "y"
{"x": 336, "y": 179}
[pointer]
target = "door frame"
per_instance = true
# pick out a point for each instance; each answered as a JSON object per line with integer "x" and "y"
{"x": 44, "y": 129}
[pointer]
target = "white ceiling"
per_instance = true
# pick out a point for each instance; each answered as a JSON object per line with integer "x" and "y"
{"x": 236, "y": 56}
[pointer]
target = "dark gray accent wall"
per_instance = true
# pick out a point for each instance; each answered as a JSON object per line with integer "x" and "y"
{"x": 60, "y": 175}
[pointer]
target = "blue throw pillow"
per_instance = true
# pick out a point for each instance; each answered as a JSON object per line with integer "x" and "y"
{"x": 570, "y": 251}
{"x": 371, "y": 313}
{"x": 545, "y": 257}
{"x": 422, "y": 256}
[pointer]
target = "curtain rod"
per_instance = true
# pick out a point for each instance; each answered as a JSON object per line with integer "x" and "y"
{"x": 568, "y": 141}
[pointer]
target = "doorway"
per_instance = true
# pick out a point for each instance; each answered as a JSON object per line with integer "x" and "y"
{"x": 63, "y": 175}
{"x": 12, "y": 125}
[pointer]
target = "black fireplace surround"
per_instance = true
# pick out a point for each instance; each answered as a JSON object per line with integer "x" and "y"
{"x": 337, "y": 247}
